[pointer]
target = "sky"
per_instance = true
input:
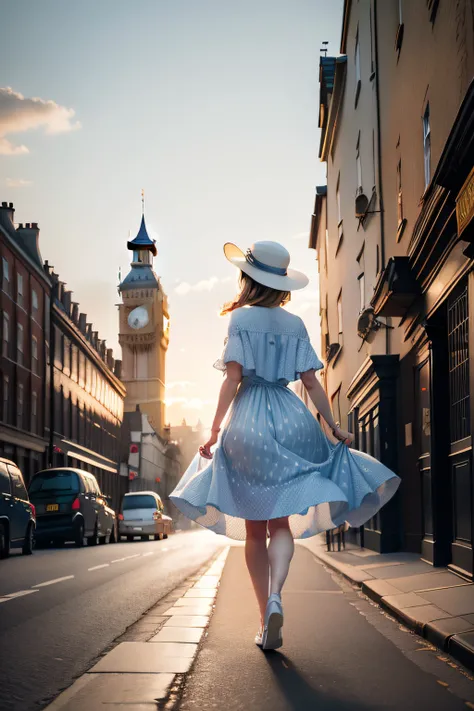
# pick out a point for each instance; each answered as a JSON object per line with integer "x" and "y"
{"x": 211, "y": 107}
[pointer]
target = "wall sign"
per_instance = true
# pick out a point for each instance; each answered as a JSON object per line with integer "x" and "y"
{"x": 465, "y": 203}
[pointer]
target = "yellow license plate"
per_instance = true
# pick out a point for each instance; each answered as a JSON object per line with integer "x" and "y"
{"x": 52, "y": 507}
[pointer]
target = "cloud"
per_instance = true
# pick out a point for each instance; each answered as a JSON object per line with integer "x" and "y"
{"x": 203, "y": 285}
{"x": 306, "y": 301}
{"x": 17, "y": 183}
{"x": 301, "y": 235}
{"x": 183, "y": 384}
{"x": 19, "y": 114}
{"x": 194, "y": 403}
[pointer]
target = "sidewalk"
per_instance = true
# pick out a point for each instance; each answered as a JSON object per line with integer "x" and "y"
{"x": 434, "y": 602}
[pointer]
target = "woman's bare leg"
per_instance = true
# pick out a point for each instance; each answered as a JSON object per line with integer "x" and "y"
{"x": 280, "y": 552}
{"x": 256, "y": 557}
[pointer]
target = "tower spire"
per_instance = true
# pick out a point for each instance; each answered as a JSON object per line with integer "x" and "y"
{"x": 143, "y": 202}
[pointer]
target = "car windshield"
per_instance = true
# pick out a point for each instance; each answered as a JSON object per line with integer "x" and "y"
{"x": 59, "y": 482}
{"x": 139, "y": 501}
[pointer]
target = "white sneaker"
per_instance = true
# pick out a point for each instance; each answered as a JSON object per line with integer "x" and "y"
{"x": 258, "y": 637}
{"x": 272, "y": 636}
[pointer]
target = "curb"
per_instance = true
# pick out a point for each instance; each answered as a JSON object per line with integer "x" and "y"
{"x": 454, "y": 635}
{"x": 146, "y": 665}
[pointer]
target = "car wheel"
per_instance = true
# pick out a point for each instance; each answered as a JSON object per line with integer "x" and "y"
{"x": 4, "y": 541}
{"x": 94, "y": 539}
{"x": 165, "y": 535}
{"x": 104, "y": 539}
{"x": 112, "y": 537}
{"x": 29, "y": 541}
{"x": 129, "y": 539}
{"x": 157, "y": 536}
{"x": 79, "y": 534}
{"x": 144, "y": 538}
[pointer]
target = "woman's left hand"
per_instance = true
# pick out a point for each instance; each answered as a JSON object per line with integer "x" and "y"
{"x": 343, "y": 436}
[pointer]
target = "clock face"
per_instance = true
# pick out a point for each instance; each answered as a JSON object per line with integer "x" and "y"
{"x": 138, "y": 318}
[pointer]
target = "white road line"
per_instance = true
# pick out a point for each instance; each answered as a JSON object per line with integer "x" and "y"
{"x": 118, "y": 560}
{"x": 53, "y": 582}
{"x": 135, "y": 555}
{"x": 150, "y": 553}
{"x": 12, "y": 596}
{"x": 97, "y": 567}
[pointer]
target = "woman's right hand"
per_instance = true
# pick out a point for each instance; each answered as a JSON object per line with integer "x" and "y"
{"x": 343, "y": 436}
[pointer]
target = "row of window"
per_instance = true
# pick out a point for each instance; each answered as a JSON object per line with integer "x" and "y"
{"x": 20, "y": 414}
{"x": 74, "y": 363}
{"x": 20, "y": 294}
{"x": 20, "y": 344}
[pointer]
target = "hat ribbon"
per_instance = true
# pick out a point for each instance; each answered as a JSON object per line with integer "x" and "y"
{"x": 281, "y": 271}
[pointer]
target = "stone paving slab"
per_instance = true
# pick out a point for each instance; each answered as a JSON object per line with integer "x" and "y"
{"x": 187, "y": 621}
{"x": 398, "y": 571}
{"x": 189, "y": 610}
{"x": 404, "y": 600}
{"x": 207, "y": 582}
{"x": 457, "y": 601}
{"x": 197, "y": 593}
{"x": 380, "y": 588}
{"x": 179, "y": 634}
{"x": 136, "y": 657}
{"x": 427, "y": 581}
{"x": 93, "y": 692}
{"x": 439, "y": 631}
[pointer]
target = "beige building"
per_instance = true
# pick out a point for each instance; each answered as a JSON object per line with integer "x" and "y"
{"x": 397, "y": 137}
{"x": 148, "y": 458}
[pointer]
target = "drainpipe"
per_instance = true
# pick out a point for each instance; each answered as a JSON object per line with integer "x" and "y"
{"x": 379, "y": 160}
{"x": 52, "y": 349}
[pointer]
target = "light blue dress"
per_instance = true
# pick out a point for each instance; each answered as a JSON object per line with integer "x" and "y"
{"x": 272, "y": 458}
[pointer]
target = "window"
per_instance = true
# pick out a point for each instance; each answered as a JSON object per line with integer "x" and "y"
{"x": 427, "y": 145}
{"x": 5, "y": 275}
{"x": 339, "y": 215}
{"x": 19, "y": 289}
{"x": 401, "y": 219}
{"x": 433, "y": 8}
{"x": 5, "y": 487}
{"x": 6, "y": 396}
{"x": 359, "y": 167}
{"x": 6, "y": 335}
{"x": 34, "y": 355}
{"x": 339, "y": 317}
{"x": 82, "y": 369}
{"x": 19, "y": 344}
{"x": 34, "y": 412}
{"x": 19, "y": 406}
{"x": 361, "y": 278}
{"x": 67, "y": 356}
{"x": 34, "y": 301}
{"x": 357, "y": 67}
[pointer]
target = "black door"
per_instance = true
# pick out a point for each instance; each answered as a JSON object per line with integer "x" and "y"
{"x": 460, "y": 447}
{"x": 423, "y": 431}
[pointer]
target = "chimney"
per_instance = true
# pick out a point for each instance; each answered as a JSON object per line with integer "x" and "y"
{"x": 89, "y": 332}
{"x": 28, "y": 240}
{"x": 118, "y": 368}
{"x": 110, "y": 358}
{"x": 61, "y": 285}
{"x": 103, "y": 349}
{"x": 6, "y": 214}
{"x": 67, "y": 301}
{"x": 82, "y": 322}
{"x": 75, "y": 312}
{"x": 95, "y": 339}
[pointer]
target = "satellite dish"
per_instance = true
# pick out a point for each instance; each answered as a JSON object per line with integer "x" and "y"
{"x": 138, "y": 318}
{"x": 366, "y": 322}
{"x": 361, "y": 205}
{"x": 332, "y": 351}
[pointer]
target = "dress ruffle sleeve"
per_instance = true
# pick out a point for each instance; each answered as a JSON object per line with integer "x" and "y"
{"x": 268, "y": 355}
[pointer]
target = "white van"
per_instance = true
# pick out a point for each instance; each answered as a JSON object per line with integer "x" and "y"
{"x": 141, "y": 514}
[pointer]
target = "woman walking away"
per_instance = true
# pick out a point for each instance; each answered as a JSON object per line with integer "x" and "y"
{"x": 274, "y": 472}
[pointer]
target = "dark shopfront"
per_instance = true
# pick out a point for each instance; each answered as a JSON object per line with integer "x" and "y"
{"x": 436, "y": 386}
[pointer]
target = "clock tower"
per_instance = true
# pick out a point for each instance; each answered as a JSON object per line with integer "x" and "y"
{"x": 144, "y": 333}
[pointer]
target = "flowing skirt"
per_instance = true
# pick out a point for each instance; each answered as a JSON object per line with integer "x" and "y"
{"x": 273, "y": 460}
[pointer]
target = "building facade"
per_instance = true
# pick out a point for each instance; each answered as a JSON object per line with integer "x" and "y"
{"x": 398, "y": 291}
{"x": 87, "y": 395}
{"x": 24, "y": 305}
{"x": 148, "y": 459}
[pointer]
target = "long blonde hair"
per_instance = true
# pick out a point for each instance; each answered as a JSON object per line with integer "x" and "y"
{"x": 254, "y": 294}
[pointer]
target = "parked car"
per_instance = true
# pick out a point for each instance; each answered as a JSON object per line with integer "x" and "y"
{"x": 17, "y": 513}
{"x": 71, "y": 507}
{"x": 142, "y": 514}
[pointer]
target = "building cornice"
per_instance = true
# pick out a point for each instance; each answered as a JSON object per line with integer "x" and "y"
{"x": 330, "y": 113}
{"x": 345, "y": 25}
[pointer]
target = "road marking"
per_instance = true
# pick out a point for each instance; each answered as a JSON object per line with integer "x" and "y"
{"x": 135, "y": 555}
{"x": 12, "y": 596}
{"x": 53, "y": 582}
{"x": 150, "y": 553}
{"x": 118, "y": 560}
{"x": 97, "y": 567}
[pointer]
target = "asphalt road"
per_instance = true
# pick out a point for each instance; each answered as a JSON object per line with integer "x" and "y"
{"x": 60, "y": 608}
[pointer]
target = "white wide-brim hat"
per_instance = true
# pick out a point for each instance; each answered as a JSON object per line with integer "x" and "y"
{"x": 267, "y": 263}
